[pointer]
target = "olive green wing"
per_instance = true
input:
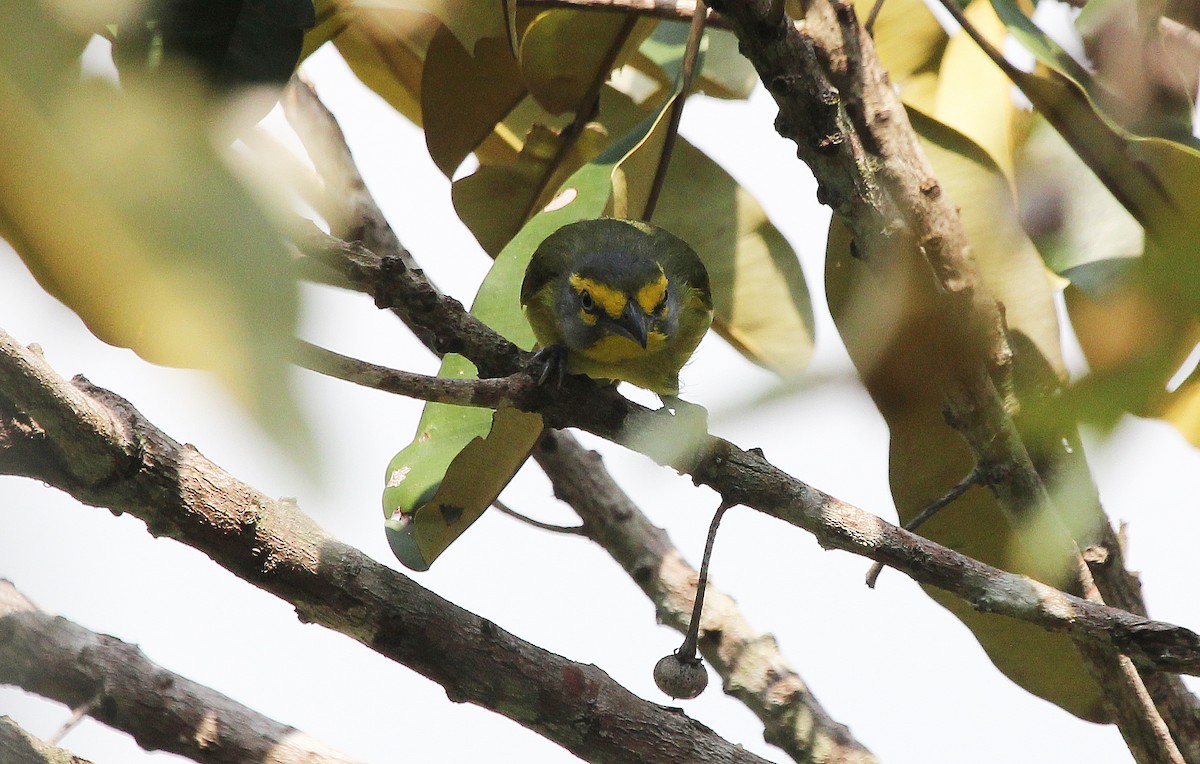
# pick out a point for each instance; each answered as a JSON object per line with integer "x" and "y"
{"x": 681, "y": 262}
{"x": 549, "y": 261}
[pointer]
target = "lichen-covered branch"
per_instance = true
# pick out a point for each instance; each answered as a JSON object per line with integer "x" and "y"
{"x": 96, "y": 446}
{"x": 162, "y": 711}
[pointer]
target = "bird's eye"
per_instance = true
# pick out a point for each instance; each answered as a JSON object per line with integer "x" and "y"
{"x": 586, "y": 301}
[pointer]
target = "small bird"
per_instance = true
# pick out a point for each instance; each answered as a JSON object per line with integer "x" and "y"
{"x": 617, "y": 300}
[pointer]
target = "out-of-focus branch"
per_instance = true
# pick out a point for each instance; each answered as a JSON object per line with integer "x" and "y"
{"x": 348, "y": 205}
{"x": 162, "y": 711}
{"x": 19, "y": 747}
{"x": 96, "y": 446}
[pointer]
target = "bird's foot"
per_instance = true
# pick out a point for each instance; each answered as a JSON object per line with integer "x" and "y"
{"x": 549, "y": 364}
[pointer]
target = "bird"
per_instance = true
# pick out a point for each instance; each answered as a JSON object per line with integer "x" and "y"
{"x": 617, "y": 299}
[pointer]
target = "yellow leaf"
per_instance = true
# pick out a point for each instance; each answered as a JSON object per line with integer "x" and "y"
{"x": 563, "y": 50}
{"x": 464, "y": 96}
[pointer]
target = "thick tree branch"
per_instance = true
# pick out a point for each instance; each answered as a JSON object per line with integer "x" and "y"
{"x": 19, "y": 747}
{"x": 747, "y": 478}
{"x": 792, "y": 719}
{"x": 162, "y": 711}
{"x": 272, "y": 544}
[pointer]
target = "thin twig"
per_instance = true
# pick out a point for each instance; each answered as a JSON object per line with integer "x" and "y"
{"x": 17, "y": 746}
{"x": 912, "y": 525}
{"x": 872, "y": 16}
{"x": 77, "y": 715}
{"x": 572, "y": 530}
{"x": 483, "y": 393}
{"x": 687, "y": 71}
{"x": 687, "y": 650}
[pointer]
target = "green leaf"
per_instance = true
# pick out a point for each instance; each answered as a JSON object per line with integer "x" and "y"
{"x": 563, "y": 50}
{"x": 163, "y": 250}
{"x": 1155, "y": 179}
{"x": 494, "y": 200}
{"x": 462, "y": 458}
{"x": 724, "y": 71}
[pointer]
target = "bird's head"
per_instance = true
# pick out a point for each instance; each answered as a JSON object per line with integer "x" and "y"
{"x": 616, "y": 304}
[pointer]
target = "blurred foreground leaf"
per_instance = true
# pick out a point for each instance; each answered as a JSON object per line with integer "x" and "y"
{"x": 1157, "y": 180}
{"x": 122, "y": 208}
{"x": 231, "y": 43}
{"x": 886, "y": 310}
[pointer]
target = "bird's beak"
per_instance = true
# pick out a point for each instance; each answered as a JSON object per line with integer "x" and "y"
{"x": 634, "y": 323}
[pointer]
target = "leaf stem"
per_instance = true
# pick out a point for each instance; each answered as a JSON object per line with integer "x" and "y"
{"x": 973, "y": 478}
{"x": 691, "y": 639}
{"x": 687, "y": 73}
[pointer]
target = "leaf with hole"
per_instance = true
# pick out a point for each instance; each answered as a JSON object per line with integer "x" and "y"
{"x": 462, "y": 458}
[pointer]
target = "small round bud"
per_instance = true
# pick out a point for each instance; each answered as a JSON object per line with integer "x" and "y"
{"x": 679, "y": 677}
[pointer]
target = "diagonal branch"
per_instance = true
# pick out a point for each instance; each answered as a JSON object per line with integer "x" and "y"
{"x": 19, "y": 747}
{"x": 162, "y": 711}
{"x": 746, "y": 477}
{"x": 792, "y": 718}
{"x": 96, "y": 446}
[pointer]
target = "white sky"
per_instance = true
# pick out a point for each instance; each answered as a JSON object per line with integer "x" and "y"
{"x": 900, "y": 671}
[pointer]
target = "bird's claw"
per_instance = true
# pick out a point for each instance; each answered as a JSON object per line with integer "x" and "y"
{"x": 549, "y": 363}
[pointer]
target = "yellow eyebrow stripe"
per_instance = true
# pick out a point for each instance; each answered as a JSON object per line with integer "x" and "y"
{"x": 612, "y": 300}
{"x": 653, "y": 293}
